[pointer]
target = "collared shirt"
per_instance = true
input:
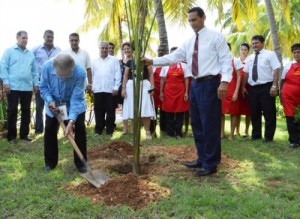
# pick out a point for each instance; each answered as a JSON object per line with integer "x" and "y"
{"x": 287, "y": 68}
{"x": 106, "y": 74}
{"x": 237, "y": 64}
{"x": 41, "y": 55}
{"x": 213, "y": 55}
{"x": 81, "y": 56}
{"x": 164, "y": 70}
{"x": 267, "y": 62}
{"x": 69, "y": 91}
{"x": 19, "y": 70}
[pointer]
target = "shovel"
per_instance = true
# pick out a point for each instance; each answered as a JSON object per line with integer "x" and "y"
{"x": 95, "y": 177}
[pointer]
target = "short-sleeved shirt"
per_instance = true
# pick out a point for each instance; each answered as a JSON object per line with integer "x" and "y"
{"x": 81, "y": 56}
{"x": 267, "y": 62}
{"x": 287, "y": 68}
{"x": 41, "y": 55}
{"x": 165, "y": 70}
{"x": 145, "y": 71}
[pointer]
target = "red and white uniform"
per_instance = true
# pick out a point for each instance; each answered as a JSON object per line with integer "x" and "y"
{"x": 291, "y": 88}
{"x": 228, "y": 106}
{"x": 174, "y": 88}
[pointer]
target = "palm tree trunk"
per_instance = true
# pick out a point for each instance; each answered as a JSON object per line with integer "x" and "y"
{"x": 273, "y": 28}
{"x": 162, "y": 31}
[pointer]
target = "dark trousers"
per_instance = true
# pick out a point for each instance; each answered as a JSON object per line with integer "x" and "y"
{"x": 162, "y": 121}
{"x": 12, "y": 112}
{"x": 293, "y": 130}
{"x": 51, "y": 143}
{"x": 174, "y": 123}
{"x": 261, "y": 103}
{"x": 104, "y": 104}
{"x": 39, "y": 113}
{"x": 205, "y": 111}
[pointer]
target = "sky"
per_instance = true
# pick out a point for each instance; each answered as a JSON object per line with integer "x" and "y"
{"x": 63, "y": 17}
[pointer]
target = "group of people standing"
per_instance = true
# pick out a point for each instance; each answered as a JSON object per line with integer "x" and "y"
{"x": 201, "y": 77}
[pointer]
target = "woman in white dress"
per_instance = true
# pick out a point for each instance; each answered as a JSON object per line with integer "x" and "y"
{"x": 147, "y": 109}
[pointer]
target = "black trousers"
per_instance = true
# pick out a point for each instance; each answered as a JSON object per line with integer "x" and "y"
{"x": 174, "y": 123}
{"x": 104, "y": 105}
{"x": 261, "y": 103}
{"x": 162, "y": 121}
{"x": 293, "y": 130}
{"x": 12, "y": 112}
{"x": 51, "y": 143}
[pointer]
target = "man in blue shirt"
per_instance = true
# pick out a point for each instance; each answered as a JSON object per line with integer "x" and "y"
{"x": 20, "y": 76}
{"x": 62, "y": 85}
{"x": 42, "y": 54}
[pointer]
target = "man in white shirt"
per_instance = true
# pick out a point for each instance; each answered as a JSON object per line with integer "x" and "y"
{"x": 81, "y": 56}
{"x": 207, "y": 56}
{"x": 106, "y": 79}
{"x": 262, "y": 73}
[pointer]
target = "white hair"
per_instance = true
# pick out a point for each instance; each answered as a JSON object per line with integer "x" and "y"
{"x": 64, "y": 63}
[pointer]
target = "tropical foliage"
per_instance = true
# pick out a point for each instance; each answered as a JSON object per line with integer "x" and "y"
{"x": 244, "y": 18}
{"x": 110, "y": 17}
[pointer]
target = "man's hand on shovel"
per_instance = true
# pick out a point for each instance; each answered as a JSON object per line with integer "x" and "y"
{"x": 55, "y": 111}
{"x": 69, "y": 129}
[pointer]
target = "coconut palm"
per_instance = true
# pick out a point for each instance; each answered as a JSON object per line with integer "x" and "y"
{"x": 248, "y": 17}
{"x": 110, "y": 14}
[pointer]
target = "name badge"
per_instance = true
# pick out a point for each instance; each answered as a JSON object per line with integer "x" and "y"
{"x": 63, "y": 112}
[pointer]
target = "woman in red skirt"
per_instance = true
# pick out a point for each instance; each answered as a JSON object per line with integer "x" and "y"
{"x": 174, "y": 95}
{"x": 230, "y": 104}
{"x": 290, "y": 84}
{"x": 243, "y": 100}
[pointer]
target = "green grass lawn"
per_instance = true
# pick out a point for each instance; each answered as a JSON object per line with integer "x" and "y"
{"x": 266, "y": 184}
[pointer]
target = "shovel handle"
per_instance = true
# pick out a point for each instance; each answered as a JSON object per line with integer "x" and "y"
{"x": 71, "y": 139}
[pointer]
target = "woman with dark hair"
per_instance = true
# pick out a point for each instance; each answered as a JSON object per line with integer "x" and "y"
{"x": 127, "y": 55}
{"x": 147, "y": 83}
{"x": 230, "y": 104}
{"x": 243, "y": 100}
{"x": 290, "y": 84}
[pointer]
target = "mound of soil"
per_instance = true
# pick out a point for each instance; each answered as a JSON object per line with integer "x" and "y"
{"x": 139, "y": 191}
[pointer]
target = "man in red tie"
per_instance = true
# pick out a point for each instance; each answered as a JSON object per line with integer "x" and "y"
{"x": 207, "y": 56}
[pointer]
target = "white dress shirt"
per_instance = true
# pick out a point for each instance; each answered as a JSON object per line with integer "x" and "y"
{"x": 237, "y": 63}
{"x": 267, "y": 62}
{"x": 106, "y": 74}
{"x": 287, "y": 68}
{"x": 164, "y": 70}
{"x": 82, "y": 57}
{"x": 213, "y": 55}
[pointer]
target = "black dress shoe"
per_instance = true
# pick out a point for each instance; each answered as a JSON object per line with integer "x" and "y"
{"x": 267, "y": 141}
{"x": 294, "y": 145}
{"x": 206, "y": 172}
{"x": 13, "y": 141}
{"x": 26, "y": 139}
{"x": 193, "y": 164}
{"x": 82, "y": 169}
{"x": 47, "y": 169}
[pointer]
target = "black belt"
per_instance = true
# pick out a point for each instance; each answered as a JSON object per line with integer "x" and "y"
{"x": 205, "y": 78}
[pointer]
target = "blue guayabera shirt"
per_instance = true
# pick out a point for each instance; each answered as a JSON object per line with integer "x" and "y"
{"x": 19, "y": 70}
{"x": 69, "y": 91}
{"x": 41, "y": 55}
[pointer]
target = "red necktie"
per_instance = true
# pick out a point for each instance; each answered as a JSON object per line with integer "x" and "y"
{"x": 195, "y": 58}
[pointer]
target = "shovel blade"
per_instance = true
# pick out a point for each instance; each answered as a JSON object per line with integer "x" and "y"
{"x": 95, "y": 177}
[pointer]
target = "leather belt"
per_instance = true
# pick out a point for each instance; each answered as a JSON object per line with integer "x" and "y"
{"x": 205, "y": 78}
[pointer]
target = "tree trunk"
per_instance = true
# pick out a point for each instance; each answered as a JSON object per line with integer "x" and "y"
{"x": 273, "y": 28}
{"x": 120, "y": 35}
{"x": 162, "y": 30}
